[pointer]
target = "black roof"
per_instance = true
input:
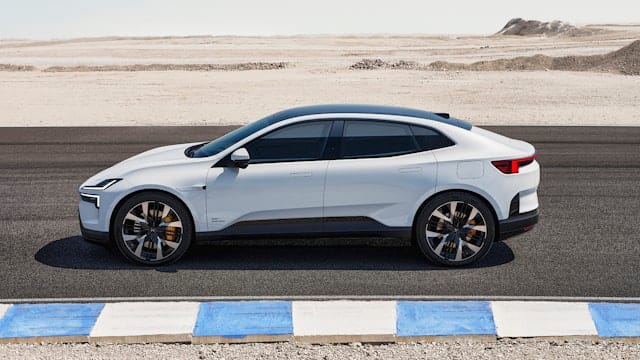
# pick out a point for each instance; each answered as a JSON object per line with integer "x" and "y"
{"x": 366, "y": 109}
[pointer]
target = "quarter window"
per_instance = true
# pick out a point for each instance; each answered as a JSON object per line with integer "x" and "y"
{"x": 429, "y": 139}
{"x": 296, "y": 142}
{"x": 376, "y": 139}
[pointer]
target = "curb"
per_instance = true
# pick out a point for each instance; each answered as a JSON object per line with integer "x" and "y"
{"x": 335, "y": 321}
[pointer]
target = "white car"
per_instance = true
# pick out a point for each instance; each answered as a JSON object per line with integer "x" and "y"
{"x": 326, "y": 170}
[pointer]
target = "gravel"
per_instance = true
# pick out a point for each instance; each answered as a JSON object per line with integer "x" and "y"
{"x": 171, "y": 67}
{"x": 463, "y": 349}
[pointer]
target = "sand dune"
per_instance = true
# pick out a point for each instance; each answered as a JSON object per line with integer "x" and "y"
{"x": 623, "y": 61}
{"x": 522, "y": 27}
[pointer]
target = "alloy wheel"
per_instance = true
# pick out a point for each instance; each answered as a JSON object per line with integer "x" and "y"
{"x": 456, "y": 231}
{"x": 152, "y": 231}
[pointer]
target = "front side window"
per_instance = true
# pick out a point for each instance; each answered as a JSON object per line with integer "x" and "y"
{"x": 297, "y": 142}
{"x": 376, "y": 139}
{"x": 224, "y": 142}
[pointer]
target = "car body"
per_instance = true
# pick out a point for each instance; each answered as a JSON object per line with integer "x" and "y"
{"x": 324, "y": 170}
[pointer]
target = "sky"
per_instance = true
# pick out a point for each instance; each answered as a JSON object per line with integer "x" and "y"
{"x": 51, "y": 19}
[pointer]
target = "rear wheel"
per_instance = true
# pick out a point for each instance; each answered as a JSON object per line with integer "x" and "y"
{"x": 455, "y": 229}
{"x": 152, "y": 228}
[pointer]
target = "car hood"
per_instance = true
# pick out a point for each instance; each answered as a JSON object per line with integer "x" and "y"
{"x": 161, "y": 156}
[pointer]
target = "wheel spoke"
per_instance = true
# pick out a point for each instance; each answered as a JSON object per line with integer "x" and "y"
{"x": 138, "y": 251}
{"x": 130, "y": 216}
{"x": 171, "y": 244}
{"x": 482, "y": 228}
{"x": 145, "y": 209}
{"x": 459, "y": 249}
{"x": 452, "y": 210}
{"x": 438, "y": 249}
{"x": 471, "y": 246}
{"x": 128, "y": 237}
{"x": 172, "y": 224}
{"x": 442, "y": 216}
{"x": 472, "y": 215}
{"x": 159, "y": 249}
{"x": 165, "y": 211}
{"x": 433, "y": 234}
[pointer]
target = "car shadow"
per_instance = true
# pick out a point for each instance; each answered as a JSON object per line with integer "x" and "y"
{"x": 308, "y": 254}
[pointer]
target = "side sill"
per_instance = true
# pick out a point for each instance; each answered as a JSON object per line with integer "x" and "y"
{"x": 305, "y": 228}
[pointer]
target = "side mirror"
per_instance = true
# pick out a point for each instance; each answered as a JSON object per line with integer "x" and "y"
{"x": 240, "y": 158}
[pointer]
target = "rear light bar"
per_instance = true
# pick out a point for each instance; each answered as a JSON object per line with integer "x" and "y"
{"x": 513, "y": 166}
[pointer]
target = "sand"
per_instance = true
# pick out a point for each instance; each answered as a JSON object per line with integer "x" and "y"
{"x": 205, "y": 80}
{"x": 623, "y": 61}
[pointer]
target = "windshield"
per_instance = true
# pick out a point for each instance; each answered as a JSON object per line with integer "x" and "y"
{"x": 223, "y": 142}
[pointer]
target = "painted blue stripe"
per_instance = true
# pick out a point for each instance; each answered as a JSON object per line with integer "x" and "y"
{"x": 439, "y": 318}
{"x": 30, "y": 320}
{"x": 616, "y": 320}
{"x": 239, "y": 319}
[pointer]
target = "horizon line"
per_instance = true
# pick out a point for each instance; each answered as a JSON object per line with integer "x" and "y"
{"x": 358, "y": 34}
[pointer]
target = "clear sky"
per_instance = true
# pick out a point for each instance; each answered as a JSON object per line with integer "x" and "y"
{"x": 45, "y": 19}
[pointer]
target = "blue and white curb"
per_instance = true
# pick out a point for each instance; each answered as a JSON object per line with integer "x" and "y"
{"x": 313, "y": 321}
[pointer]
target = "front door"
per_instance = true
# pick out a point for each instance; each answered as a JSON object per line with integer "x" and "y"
{"x": 281, "y": 190}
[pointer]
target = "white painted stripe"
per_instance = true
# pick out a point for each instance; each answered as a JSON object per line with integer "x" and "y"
{"x": 529, "y": 319}
{"x": 3, "y": 309}
{"x": 316, "y": 318}
{"x": 146, "y": 318}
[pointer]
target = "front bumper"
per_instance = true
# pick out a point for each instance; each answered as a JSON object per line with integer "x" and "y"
{"x": 93, "y": 236}
{"x": 518, "y": 224}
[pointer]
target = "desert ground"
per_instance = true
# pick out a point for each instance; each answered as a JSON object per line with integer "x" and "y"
{"x": 220, "y": 80}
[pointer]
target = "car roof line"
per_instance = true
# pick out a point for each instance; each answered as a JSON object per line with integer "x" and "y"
{"x": 366, "y": 109}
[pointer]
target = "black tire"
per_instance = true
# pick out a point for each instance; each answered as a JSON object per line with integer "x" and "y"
{"x": 155, "y": 228}
{"x": 455, "y": 230}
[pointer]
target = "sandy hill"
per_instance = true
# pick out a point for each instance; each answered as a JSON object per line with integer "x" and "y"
{"x": 522, "y": 27}
{"x": 624, "y": 61}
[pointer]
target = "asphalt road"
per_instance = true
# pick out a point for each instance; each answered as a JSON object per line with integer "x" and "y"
{"x": 587, "y": 243}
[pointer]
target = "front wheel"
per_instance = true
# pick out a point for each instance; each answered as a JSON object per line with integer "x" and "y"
{"x": 455, "y": 229}
{"x": 152, "y": 228}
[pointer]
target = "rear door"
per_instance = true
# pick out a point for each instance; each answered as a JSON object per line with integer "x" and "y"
{"x": 380, "y": 173}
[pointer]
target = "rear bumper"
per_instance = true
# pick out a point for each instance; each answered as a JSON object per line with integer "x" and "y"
{"x": 518, "y": 224}
{"x": 93, "y": 236}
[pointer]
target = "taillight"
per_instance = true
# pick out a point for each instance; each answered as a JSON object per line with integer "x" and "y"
{"x": 512, "y": 166}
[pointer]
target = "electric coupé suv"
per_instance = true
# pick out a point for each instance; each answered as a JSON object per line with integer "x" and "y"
{"x": 328, "y": 170}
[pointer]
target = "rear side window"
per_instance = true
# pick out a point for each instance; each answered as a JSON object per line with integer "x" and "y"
{"x": 296, "y": 142}
{"x": 430, "y": 139}
{"x": 376, "y": 139}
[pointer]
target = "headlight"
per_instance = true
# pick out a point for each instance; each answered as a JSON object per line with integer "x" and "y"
{"x": 90, "y": 198}
{"x": 102, "y": 185}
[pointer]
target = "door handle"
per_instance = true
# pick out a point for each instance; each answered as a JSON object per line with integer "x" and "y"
{"x": 301, "y": 174}
{"x": 407, "y": 170}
